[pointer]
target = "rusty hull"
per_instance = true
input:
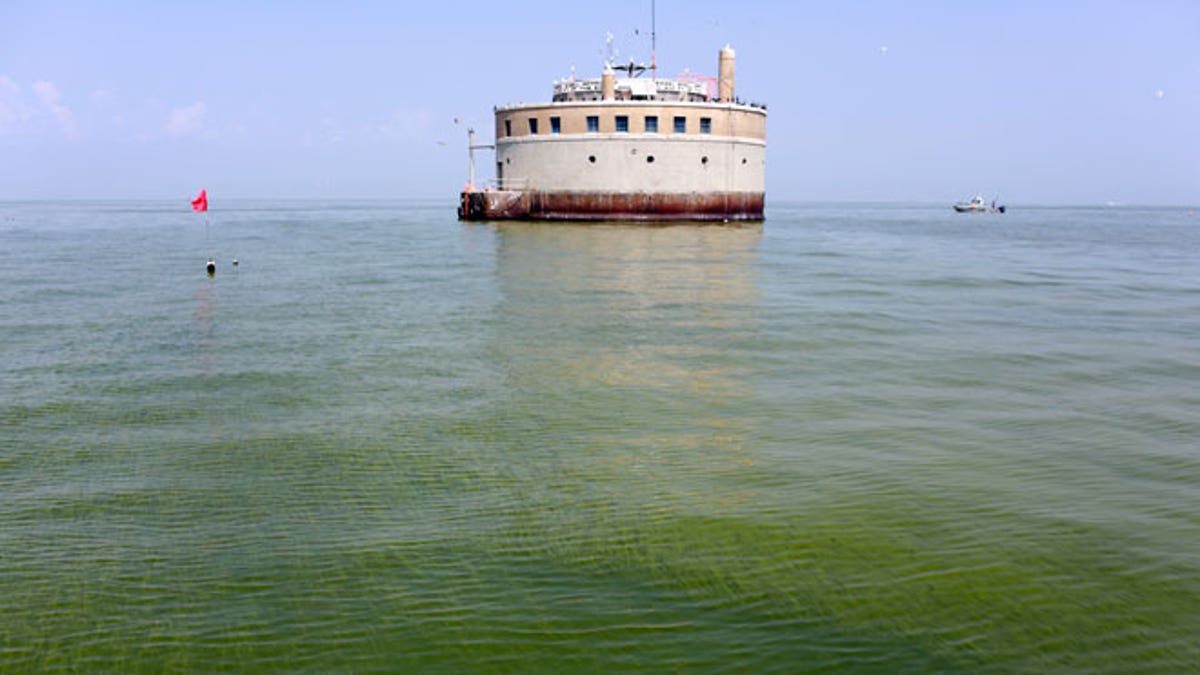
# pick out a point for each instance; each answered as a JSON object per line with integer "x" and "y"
{"x": 637, "y": 206}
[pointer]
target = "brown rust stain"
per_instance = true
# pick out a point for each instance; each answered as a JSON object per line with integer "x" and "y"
{"x": 639, "y": 206}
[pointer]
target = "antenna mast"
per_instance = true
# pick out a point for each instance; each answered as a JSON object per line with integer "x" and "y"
{"x": 653, "y": 41}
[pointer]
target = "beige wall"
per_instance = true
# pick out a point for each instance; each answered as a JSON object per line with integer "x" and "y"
{"x": 608, "y": 162}
{"x": 727, "y": 120}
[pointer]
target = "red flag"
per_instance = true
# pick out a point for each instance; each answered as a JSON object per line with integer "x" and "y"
{"x": 200, "y": 203}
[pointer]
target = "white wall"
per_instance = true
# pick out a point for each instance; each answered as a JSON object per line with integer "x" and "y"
{"x": 560, "y": 163}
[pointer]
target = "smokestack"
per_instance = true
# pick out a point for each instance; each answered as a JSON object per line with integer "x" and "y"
{"x": 608, "y": 84}
{"x": 725, "y": 75}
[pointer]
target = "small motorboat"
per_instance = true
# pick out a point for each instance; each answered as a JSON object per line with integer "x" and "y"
{"x": 978, "y": 205}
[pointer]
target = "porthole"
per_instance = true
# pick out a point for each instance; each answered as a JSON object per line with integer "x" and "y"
{"x": 743, "y": 160}
{"x": 592, "y": 159}
{"x": 704, "y": 159}
{"x": 649, "y": 159}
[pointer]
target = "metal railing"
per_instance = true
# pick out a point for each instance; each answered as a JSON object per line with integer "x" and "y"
{"x": 507, "y": 183}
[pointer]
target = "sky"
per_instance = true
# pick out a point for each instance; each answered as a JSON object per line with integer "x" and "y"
{"x": 1033, "y": 102}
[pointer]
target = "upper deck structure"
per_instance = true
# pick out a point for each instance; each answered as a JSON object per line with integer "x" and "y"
{"x": 629, "y": 148}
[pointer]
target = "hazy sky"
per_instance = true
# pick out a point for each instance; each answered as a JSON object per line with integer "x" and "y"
{"x": 1034, "y": 101}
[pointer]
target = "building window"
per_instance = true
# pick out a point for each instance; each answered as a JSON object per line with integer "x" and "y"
{"x": 622, "y": 124}
{"x": 533, "y": 125}
{"x": 593, "y": 124}
{"x": 651, "y": 124}
{"x": 508, "y": 127}
{"x": 706, "y": 125}
{"x": 555, "y": 125}
{"x": 681, "y": 125}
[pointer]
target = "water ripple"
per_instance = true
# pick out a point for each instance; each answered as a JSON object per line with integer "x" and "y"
{"x": 870, "y": 438}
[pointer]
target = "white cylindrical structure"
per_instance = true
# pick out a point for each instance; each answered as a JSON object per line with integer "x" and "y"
{"x": 608, "y": 84}
{"x": 725, "y": 75}
{"x": 673, "y": 150}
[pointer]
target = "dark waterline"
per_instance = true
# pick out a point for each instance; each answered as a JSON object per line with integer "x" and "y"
{"x": 873, "y": 437}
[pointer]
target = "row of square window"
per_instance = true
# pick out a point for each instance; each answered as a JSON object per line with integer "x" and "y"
{"x": 621, "y": 123}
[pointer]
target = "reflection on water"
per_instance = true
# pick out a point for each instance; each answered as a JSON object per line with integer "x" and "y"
{"x": 205, "y": 338}
{"x": 625, "y": 332}
{"x": 628, "y": 305}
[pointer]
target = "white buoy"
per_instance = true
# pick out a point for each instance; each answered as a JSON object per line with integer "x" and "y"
{"x": 211, "y": 267}
{"x": 235, "y": 262}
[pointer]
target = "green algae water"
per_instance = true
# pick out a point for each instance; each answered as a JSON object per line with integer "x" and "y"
{"x": 855, "y": 437}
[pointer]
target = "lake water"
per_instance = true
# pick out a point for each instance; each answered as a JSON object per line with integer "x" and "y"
{"x": 870, "y": 437}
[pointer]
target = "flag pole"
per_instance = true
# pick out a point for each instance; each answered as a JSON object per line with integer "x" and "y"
{"x": 211, "y": 265}
{"x": 200, "y": 203}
